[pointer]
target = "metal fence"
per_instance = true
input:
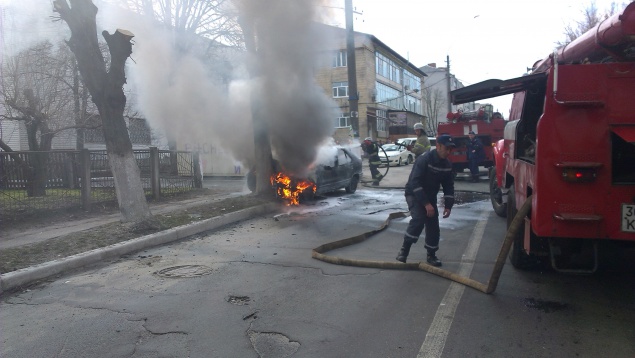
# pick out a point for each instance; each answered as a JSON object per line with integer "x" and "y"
{"x": 31, "y": 182}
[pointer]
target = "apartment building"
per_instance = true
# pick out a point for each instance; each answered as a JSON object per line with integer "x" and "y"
{"x": 436, "y": 103}
{"x": 389, "y": 88}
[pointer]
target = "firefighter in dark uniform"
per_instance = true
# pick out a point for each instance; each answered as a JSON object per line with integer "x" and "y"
{"x": 372, "y": 149}
{"x": 430, "y": 171}
{"x": 475, "y": 155}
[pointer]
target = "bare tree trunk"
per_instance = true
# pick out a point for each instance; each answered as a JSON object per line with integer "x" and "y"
{"x": 40, "y": 140}
{"x": 262, "y": 144}
{"x": 106, "y": 89}
{"x": 77, "y": 109}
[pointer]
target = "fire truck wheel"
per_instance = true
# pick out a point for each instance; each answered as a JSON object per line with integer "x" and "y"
{"x": 352, "y": 186}
{"x": 517, "y": 255}
{"x": 496, "y": 195}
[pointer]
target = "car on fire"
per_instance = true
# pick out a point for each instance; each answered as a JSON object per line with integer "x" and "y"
{"x": 395, "y": 155}
{"x": 342, "y": 170}
{"x": 338, "y": 168}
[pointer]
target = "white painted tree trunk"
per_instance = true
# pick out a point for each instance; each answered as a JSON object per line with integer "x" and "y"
{"x": 130, "y": 195}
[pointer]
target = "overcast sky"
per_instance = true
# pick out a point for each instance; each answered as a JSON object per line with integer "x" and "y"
{"x": 485, "y": 39}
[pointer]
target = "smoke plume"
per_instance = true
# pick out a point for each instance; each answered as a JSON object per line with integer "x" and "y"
{"x": 298, "y": 114}
{"x": 175, "y": 93}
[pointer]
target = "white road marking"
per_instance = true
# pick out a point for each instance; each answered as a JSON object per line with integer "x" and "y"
{"x": 437, "y": 334}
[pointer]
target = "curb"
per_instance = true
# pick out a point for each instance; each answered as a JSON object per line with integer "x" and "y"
{"x": 15, "y": 279}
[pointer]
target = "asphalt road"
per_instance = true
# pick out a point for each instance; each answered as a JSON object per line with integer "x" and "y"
{"x": 252, "y": 290}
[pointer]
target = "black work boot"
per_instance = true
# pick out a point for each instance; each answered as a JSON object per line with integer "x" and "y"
{"x": 403, "y": 252}
{"x": 433, "y": 260}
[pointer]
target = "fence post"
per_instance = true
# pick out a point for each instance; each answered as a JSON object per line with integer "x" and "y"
{"x": 154, "y": 173}
{"x": 86, "y": 179}
{"x": 198, "y": 174}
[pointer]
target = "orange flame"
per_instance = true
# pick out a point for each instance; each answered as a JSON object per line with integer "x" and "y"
{"x": 290, "y": 189}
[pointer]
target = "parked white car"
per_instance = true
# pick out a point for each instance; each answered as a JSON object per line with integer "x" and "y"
{"x": 412, "y": 141}
{"x": 433, "y": 142}
{"x": 396, "y": 155}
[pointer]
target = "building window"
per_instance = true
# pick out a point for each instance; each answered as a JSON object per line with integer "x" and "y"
{"x": 411, "y": 81}
{"x": 387, "y": 68}
{"x": 381, "y": 120}
{"x": 339, "y": 59}
{"x": 413, "y": 104}
{"x": 340, "y": 89}
{"x": 342, "y": 121}
{"x": 389, "y": 96}
{"x": 381, "y": 125}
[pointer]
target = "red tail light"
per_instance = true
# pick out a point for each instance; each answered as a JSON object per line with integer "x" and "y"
{"x": 579, "y": 172}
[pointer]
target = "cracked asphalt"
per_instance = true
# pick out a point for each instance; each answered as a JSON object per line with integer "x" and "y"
{"x": 251, "y": 289}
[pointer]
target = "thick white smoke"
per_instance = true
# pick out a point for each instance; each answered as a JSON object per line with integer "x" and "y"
{"x": 173, "y": 89}
{"x": 175, "y": 93}
{"x": 288, "y": 42}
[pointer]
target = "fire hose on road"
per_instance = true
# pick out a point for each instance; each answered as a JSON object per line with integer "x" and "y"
{"x": 489, "y": 287}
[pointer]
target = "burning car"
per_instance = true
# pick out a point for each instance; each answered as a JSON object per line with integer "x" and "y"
{"x": 339, "y": 168}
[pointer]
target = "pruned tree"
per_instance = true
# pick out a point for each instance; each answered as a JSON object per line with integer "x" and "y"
{"x": 433, "y": 103}
{"x": 105, "y": 85}
{"x": 34, "y": 93}
{"x": 204, "y": 28}
{"x": 215, "y": 20}
{"x": 263, "y": 156}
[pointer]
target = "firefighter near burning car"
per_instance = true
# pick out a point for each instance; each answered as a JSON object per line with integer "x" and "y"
{"x": 372, "y": 149}
{"x": 422, "y": 145}
{"x": 569, "y": 145}
{"x": 430, "y": 172}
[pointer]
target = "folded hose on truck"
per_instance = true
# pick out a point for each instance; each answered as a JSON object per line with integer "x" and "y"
{"x": 516, "y": 224}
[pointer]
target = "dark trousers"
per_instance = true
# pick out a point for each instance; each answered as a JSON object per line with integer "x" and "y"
{"x": 373, "y": 164}
{"x": 419, "y": 220}
{"x": 473, "y": 166}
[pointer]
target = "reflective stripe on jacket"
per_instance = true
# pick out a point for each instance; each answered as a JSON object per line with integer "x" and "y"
{"x": 421, "y": 146}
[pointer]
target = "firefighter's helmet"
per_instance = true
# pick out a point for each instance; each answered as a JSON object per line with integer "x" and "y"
{"x": 369, "y": 139}
{"x": 418, "y": 126}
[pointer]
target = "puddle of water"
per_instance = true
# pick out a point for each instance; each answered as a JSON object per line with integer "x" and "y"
{"x": 545, "y": 306}
{"x": 239, "y": 300}
{"x": 463, "y": 197}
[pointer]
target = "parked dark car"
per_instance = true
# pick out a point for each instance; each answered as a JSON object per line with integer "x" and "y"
{"x": 341, "y": 170}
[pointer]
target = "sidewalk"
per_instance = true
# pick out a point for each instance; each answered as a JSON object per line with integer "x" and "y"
{"x": 44, "y": 237}
{"x": 12, "y": 237}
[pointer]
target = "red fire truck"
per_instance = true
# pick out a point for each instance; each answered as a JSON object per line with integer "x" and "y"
{"x": 570, "y": 145}
{"x": 487, "y": 125}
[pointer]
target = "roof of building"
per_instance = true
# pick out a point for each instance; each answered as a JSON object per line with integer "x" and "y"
{"x": 383, "y": 45}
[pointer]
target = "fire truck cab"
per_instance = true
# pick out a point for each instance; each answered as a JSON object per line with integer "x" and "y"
{"x": 570, "y": 147}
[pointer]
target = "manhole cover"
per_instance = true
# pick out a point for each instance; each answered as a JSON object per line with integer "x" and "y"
{"x": 238, "y": 300}
{"x": 185, "y": 271}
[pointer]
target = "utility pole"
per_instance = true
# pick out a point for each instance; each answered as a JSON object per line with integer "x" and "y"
{"x": 353, "y": 97}
{"x": 449, "y": 80}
